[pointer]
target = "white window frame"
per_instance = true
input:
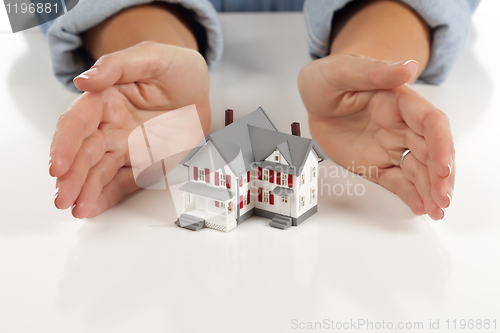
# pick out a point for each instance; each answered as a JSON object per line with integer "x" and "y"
{"x": 222, "y": 179}
{"x": 265, "y": 197}
{"x": 277, "y": 157}
{"x": 201, "y": 174}
{"x": 302, "y": 179}
{"x": 313, "y": 173}
{"x": 284, "y": 178}
{"x": 313, "y": 194}
{"x": 222, "y": 204}
{"x": 302, "y": 201}
{"x": 265, "y": 174}
{"x": 284, "y": 199}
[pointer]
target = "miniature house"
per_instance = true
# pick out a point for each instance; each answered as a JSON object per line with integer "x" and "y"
{"x": 249, "y": 168}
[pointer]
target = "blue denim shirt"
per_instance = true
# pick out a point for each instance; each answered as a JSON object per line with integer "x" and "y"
{"x": 449, "y": 20}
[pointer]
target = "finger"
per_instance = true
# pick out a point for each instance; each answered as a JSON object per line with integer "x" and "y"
{"x": 73, "y": 127}
{"x": 432, "y": 124}
{"x": 99, "y": 176}
{"x": 418, "y": 174}
{"x": 355, "y": 73}
{"x": 122, "y": 185}
{"x": 442, "y": 185}
{"x": 394, "y": 180}
{"x": 146, "y": 60}
{"x": 417, "y": 146}
{"x": 70, "y": 184}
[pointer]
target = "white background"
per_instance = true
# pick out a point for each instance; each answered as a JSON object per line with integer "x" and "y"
{"x": 132, "y": 270}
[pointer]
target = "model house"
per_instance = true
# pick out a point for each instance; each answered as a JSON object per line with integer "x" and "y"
{"x": 249, "y": 168}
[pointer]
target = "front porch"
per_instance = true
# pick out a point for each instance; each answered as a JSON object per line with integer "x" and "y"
{"x": 214, "y": 206}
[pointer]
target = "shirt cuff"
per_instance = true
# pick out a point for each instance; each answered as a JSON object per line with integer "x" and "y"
{"x": 66, "y": 46}
{"x": 448, "y": 19}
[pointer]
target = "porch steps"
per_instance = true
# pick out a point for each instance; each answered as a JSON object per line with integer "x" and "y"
{"x": 190, "y": 222}
{"x": 281, "y": 221}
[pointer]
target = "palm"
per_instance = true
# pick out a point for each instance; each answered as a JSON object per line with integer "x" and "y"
{"x": 370, "y": 133}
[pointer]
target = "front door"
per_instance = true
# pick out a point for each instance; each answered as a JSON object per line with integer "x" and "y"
{"x": 285, "y": 206}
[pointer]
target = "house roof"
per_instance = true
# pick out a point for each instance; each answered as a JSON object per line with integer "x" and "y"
{"x": 252, "y": 139}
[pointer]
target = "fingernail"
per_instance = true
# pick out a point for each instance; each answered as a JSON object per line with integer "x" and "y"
{"x": 55, "y": 197}
{"x": 87, "y": 74}
{"x": 50, "y": 166}
{"x": 403, "y": 62}
{"x": 450, "y": 167}
{"x": 444, "y": 211}
{"x": 410, "y": 61}
{"x": 449, "y": 200}
{"x": 71, "y": 208}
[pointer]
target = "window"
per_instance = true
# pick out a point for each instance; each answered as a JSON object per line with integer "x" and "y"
{"x": 302, "y": 180}
{"x": 284, "y": 200}
{"x": 313, "y": 173}
{"x": 302, "y": 201}
{"x": 201, "y": 174}
{"x": 276, "y": 157}
{"x": 222, "y": 205}
{"x": 284, "y": 178}
{"x": 188, "y": 197}
{"x": 222, "y": 180}
{"x": 266, "y": 197}
{"x": 266, "y": 174}
{"x": 313, "y": 194}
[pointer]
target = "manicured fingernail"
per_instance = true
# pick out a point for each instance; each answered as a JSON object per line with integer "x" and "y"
{"x": 449, "y": 200}
{"x": 87, "y": 74}
{"x": 450, "y": 167}
{"x": 444, "y": 211}
{"x": 410, "y": 61}
{"x": 71, "y": 208}
{"x": 50, "y": 167}
{"x": 56, "y": 194}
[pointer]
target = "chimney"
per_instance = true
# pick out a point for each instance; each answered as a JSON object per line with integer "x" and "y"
{"x": 229, "y": 117}
{"x": 296, "y": 129}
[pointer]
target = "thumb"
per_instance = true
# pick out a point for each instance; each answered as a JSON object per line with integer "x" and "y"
{"x": 146, "y": 60}
{"x": 355, "y": 73}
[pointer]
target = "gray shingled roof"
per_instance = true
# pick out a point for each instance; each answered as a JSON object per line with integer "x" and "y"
{"x": 256, "y": 138}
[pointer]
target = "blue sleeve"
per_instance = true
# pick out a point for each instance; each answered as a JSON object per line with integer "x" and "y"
{"x": 448, "y": 19}
{"x": 69, "y": 58}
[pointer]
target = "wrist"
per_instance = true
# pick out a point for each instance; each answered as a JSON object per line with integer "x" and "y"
{"x": 157, "y": 22}
{"x": 384, "y": 30}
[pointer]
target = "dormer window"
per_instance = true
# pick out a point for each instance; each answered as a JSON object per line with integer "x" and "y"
{"x": 276, "y": 158}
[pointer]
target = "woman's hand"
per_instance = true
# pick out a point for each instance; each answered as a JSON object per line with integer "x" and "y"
{"x": 364, "y": 115}
{"x": 89, "y": 151}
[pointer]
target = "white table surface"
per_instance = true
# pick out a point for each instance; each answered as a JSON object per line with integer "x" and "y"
{"x": 361, "y": 257}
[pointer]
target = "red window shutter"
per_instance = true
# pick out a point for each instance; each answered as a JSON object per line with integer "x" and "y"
{"x": 228, "y": 181}
{"x": 271, "y": 176}
{"x": 207, "y": 175}
{"x": 248, "y": 176}
{"x": 241, "y": 202}
{"x": 248, "y": 197}
{"x": 278, "y": 178}
{"x": 241, "y": 181}
{"x": 271, "y": 198}
{"x": 260, "y": 194}
{"x": 216, "y": 180}
{"x": 230, "y": 206}
{"x": 260, "y": 173}
{"x": 195, "y": 173}
{"x": 290, "y": 180}
{"x": 216, "y": 203}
